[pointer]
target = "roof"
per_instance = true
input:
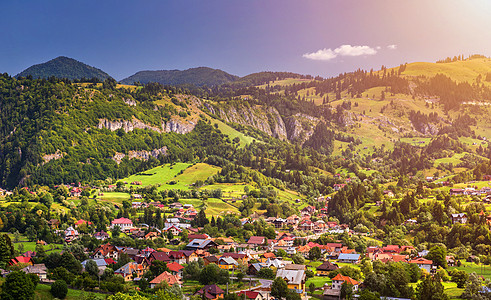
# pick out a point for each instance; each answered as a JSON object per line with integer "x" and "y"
{"x": 347, "y": 279}
{"x": 122, "y": 221}
{"x": 160, "y": 256}
{"x": 167, "y": 277}
{"x": 228, "y": 260}
{"x": 174, "y": 267}
{"x": 269, "y": 255}
{"x": 421, "y": 261}
{"x": 210, "y": 291}
{"x": 348, "y": 256}
{"x": 234, "y": 255}
{"x": 327, "y": 266}
{"x": 248, "y": 294}
{"x": 294, "y": 267}
{"x": 258, "y": 240}
{"x": 291, "y": 276}
{"x": 211, "y": 258}
{"x": 199, "y": 243}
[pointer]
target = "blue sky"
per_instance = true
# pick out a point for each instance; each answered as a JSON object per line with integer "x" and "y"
{"x": 241, "y": 37}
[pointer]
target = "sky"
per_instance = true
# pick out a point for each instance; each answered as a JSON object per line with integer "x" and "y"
{"x": 317, "y": 37}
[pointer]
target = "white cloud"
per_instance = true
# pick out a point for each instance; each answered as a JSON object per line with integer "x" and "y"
{"x": 344, "y": 50}
{"x": 392, "y": 47}
{"x": 348, "y": 50}
{"x": 323, "y": 54}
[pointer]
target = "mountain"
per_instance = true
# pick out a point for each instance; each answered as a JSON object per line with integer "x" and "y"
{"x": 356, "y": 123}
{"x": 196, "y": 76}
{"x": 64, "y": 67}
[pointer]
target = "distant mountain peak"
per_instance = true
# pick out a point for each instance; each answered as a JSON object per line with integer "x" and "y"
{"x": 64, "y": 67}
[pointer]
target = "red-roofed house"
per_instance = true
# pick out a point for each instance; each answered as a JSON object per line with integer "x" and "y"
{"x": 175, "y": 268}
{"x": 123, "y": 223}
{"x": 340, "y": 279}
{"x": 251, "y": 295}
{"x": 256, "y": 241}
{"x": 424, "y": 264}
{"x": 167, "y": 277}
{"x": 21, "y": 260}
{"x": 80, "y": 222}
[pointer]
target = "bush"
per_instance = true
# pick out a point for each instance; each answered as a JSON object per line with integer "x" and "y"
{"x": 59, "y": 289}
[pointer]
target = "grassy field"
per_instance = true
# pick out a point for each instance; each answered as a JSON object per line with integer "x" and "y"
{"x": 232, "y": 133}
{"x": 158, "y": 175}
{"x": 481, "y": 270}
{"x": 214, "y": 206}
{"x": 42, "y": 292}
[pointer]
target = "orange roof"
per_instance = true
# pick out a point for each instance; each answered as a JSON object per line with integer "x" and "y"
{"x": 175, "y": 267}
{"x": 421, "y": 261}
{"x": 167, "y": 277}
{"x": 269, "y": 255}
{"x": 347, "y": 279}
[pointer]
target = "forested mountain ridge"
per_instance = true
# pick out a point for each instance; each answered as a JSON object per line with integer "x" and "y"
{"x": 64, "y": 67}
{"x": 363, "y": 124}
{"x": 195, "y": 76}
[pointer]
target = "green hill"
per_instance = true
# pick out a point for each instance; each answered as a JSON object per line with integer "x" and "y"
{"x": 64, "y": 67}
{"x": 196, "y": 76}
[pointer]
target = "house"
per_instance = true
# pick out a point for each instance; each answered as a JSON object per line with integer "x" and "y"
{"x": 227, "y": 263}
{"x": 168, "y": 278}
{"x": 130, "y": 271}
{"x": 279, "y": 222}
{"x": 70, "y": 234}
{"x": 349, "y": 258}
{"x": 147, "y": 251}
{"x": 239, "y": 257}
{"x": 54, "y": 223}
{"x": 295, "y": 279}
{"x": 250, "y": 295}
{"x": 295, "y": 267}
{"x": 339, "y": 279}
{"x": 175, "y": 268}
{"x": 31, "y": 254}
{"x": 152, "y": 235}
{"x": 101, "y": 263}
{"x": 200, "y": 244}
{"x": 193, "y": 236}
{"x": 389, "y": 194}
{"x": 21, "y": 260}
{"x": 160, "y": 256}
{"x": 106, "y": 251}
{"x": 326, "y": 267}
{"x": 459, "y": 218}
{"x": 267, "y": 255}
{"x": 211, "y": 292}
{"x": 455, "y": 192}
{"x": 306, "y": 225}
{"x": 101, "y": 235}
{"x": 422, "y": 263}
{"x": 39, "y": 269}
{"x": 210, "y": 260}
{"x": 123, "y": 223}
{"x": 178, "y": 257}
{"x": 256, "y": 241}
{"x": 82, "y": 222}
{"x": 173, "y": 229}
{"x": 76, "y": 192}
{"x": 190, "y": 255}
{"x": 308, "y": 210}
{"x": 339, "y": 186}
{"x": 254, "y": 268}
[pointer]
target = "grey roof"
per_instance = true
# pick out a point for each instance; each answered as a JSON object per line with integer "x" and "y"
{"x": 229, "y": 260}
{"x": 198, "y": 243}
{"x": 291, "y": 276}
{"x": 346, "y": 256}
{"x": 100, "y": 262}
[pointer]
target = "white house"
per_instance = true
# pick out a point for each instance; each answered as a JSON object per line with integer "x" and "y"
{"x": 123, "y": 223}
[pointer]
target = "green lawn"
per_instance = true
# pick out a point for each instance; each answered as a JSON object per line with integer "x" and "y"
{"x": 318, "y": 281}
{"x": 42, "y": 292}
{"x": 158, "y": 175}
{"x": 483, "y": 270}
{"x": 214, "y": 206}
